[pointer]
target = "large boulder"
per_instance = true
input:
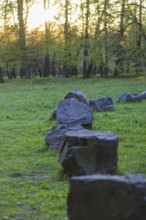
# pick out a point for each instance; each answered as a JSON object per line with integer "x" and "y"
{"x": 77, "y": 95}
{"x": 55, "y": 137}
{"x": 104, "y": 197}
{"x": 71, "y": 111}
{"x": 126, "y": 97}
{"x": 103, "y": 104}
{"x": 86, "y": 152}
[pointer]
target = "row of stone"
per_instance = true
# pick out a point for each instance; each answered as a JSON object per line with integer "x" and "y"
{"x": 75, "y": 112}
{"x": 82, "y": 152}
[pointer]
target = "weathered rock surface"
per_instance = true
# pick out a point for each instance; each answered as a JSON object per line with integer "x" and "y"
{"x": 103, "y": 104}
{"x": 86, "y": 152}
{"x": 126, "y": 97}
{"x": 143, "y": 95}
{"x": 55, "y": 137}
{"x": 77, "y": 95}
{"x": 104, "y": 197}
{"x": 71, "y": 111}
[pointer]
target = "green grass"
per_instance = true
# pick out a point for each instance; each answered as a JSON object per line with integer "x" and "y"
{"x": 30, "y": 184}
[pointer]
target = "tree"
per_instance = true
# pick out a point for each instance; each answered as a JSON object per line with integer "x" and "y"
{"x": 66, "y": 41}
{"x": 24, "y": 63}
{"x": 47, "y": 42}
{"x": 1, "y": 76}
{"x": 86, "y": 73}
{"x": 106, "y": 44}
{"x": 137, "y": 18}
{"x": 8, "y": 36}
{"x": 120, "y": 54}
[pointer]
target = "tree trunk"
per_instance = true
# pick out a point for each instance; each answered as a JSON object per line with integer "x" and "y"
{"x": 86, "y": 73}
{"x": 46, "y": 72}
{"x": 11, "y": 73}
{"x": 138, "y": 61}
{"x": 106, "y": 45}
{"x": 67, "y": 55}
{"x": 54, "y": 65}
{"x": 22, "y": 40}
{"x": 1, "y": 76}
{"x": 120, "y": 50}
{"x": 46, "y": 66}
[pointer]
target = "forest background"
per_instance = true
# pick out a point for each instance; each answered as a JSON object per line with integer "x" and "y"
{"x": 72, "y": 37}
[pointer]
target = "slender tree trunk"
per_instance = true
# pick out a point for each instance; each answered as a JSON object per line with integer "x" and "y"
{"x": 98, "y": 44}
{"x": 86, "y": 73}
{"x": 54, "y": 65}
{"x": 67, "y": 55}
{"x": 5, "y": 16}
{"x": 22, "y": 40}
{"x": 138, "y": 63}
{"x": 46, "y": 72}
{"x": 1, "y": 76}
{"x": 106, "y": 44}
{"x": 46, "y": 66}
{"x": 120, "y": 50}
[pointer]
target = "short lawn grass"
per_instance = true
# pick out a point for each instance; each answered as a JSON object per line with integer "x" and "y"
{"x": 30, "y": 183}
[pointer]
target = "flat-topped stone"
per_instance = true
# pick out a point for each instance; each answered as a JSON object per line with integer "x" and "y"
{"x": 86, "y": 152}
{"x": 126, "y": 97}
{"x": 103, "y": 104}
{"x": 107, "y": 197}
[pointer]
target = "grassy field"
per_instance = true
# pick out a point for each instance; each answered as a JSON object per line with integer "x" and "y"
{"x": 30, "y": 183}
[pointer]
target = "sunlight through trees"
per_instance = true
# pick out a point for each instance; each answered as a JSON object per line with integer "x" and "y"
{"x": 71, "y": 37}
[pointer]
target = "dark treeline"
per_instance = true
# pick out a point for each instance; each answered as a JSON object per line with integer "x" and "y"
{"x": 85, "y": 37}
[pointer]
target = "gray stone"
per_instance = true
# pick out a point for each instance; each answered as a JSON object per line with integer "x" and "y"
{"x": 104, "y": 197}
{"x": 77, "y": 95}
{"x": 143, "y": 95}
{"x": 55, "y": 137}
{"x": 86, "y": 152}
{"x": 103, "y": 104}
{"x": 126, "y": 97}
{"x": 72, "y": 111}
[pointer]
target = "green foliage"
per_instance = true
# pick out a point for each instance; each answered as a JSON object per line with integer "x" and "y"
{"x": 106, "y": 34}
{"x": 30, "y": 181}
